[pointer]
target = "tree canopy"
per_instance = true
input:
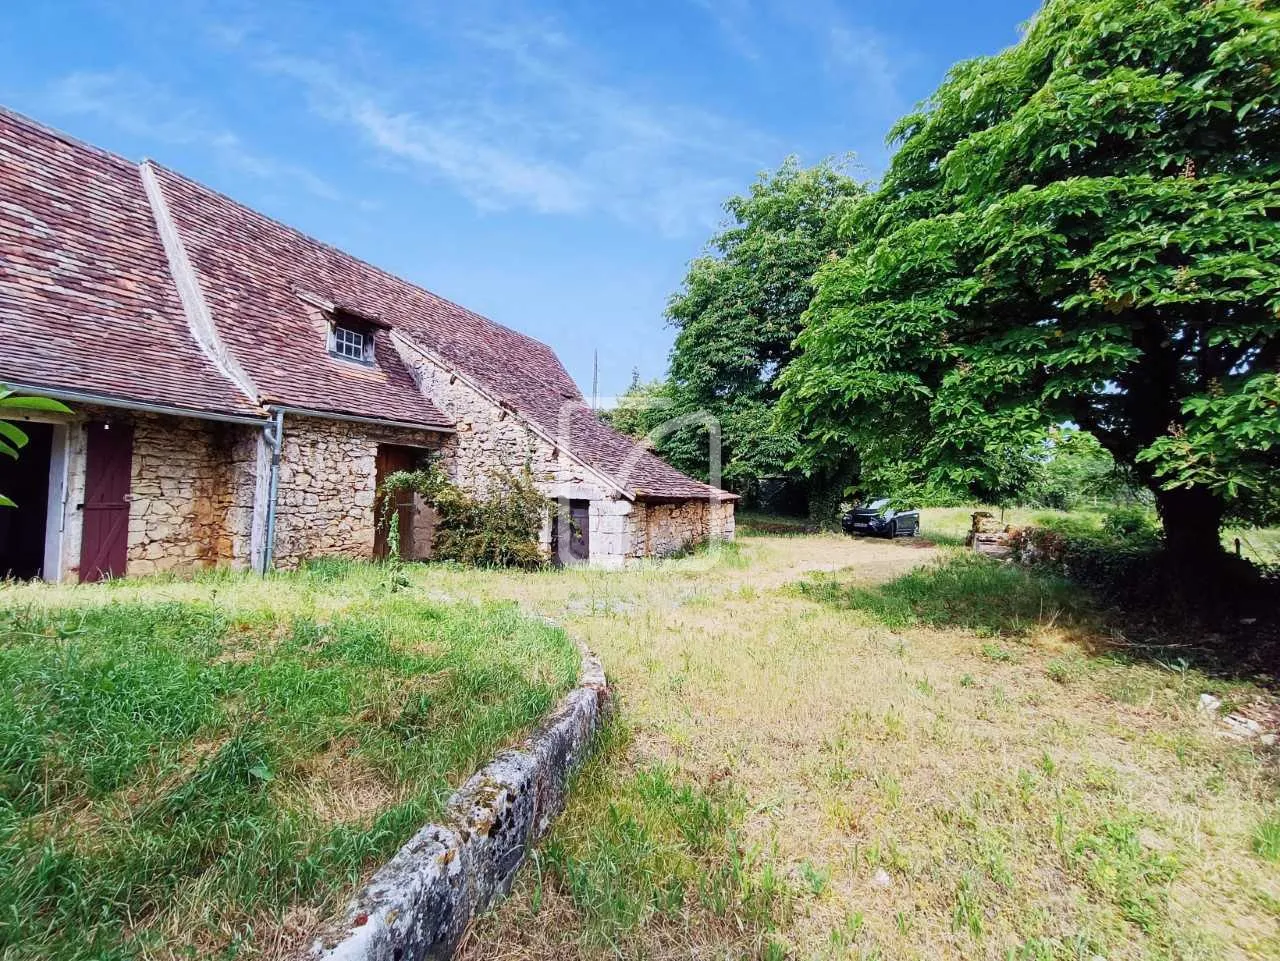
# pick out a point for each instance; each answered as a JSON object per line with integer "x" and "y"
{"x": 737, "y": 315}
{"x": 1084, "y": 228}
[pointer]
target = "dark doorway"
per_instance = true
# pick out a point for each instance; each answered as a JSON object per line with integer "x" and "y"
{"x": 390, "y": 460}
{"x": 25, "y": 481}
{"x": 104, "y": 549}
{"x": 580, "y": 530}
{"x": 578, "y": 522}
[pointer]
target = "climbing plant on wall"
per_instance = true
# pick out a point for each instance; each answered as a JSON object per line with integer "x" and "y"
{"x": 501, "y": 529}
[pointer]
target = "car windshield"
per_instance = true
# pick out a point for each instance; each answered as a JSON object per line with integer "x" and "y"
{"x": 879, "y": 504}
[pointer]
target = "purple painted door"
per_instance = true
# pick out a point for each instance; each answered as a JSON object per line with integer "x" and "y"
{"x": 108, "y": 469}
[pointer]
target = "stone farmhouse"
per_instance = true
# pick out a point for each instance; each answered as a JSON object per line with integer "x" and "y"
{"x": 239, "y": 390}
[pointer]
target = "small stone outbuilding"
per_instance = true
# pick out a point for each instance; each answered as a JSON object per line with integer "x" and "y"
{"x": 239, "y": 389}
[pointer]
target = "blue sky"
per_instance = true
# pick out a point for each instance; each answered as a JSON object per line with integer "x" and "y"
{"x": 553, "y": 165}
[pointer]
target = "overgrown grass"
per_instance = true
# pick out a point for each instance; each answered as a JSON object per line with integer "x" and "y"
{"x": 189, "y": 766}
{"x": 643, "y": 854}
{"x": 964, "y": 590}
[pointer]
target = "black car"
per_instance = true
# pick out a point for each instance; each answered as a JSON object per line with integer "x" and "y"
{"x": 878, "y": 518}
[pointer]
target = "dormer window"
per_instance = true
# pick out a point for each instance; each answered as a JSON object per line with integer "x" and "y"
{"x": 350, "y": 344}
{"x": 351, "y": 334}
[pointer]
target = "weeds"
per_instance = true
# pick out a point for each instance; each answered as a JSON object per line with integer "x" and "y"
{"x": 644, "y": 848}
{"x": 1266, "y": 839}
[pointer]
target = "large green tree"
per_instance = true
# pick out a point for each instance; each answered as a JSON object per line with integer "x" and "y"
{"x": 1084, "y": 228}
{"x": 737, "y": 315}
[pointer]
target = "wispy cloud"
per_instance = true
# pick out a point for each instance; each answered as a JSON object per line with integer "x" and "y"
{"x": 137, "y": 106}
{"x": 453, "y": 146}
{"x": 851, "y": 52}
{"x": 865, "y": 54}
{"x": 518, "y": 117}
{"x": 733, "y": 19}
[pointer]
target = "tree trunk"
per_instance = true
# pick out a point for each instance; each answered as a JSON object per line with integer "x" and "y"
{"x": 1192, "y": 519}
{"x": 826, "y": 491}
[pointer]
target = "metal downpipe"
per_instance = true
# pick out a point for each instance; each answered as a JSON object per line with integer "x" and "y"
{"x": 275, "y": 437}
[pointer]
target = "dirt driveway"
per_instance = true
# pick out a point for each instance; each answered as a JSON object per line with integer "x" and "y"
{"x": 922, "y": 792}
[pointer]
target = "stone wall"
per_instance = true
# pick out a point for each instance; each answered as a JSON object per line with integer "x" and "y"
{"x": 612, "y": 531}
{"x": 490, "y": 437}
{"x": 192, "y": 493}
{"x": 418, "y": 906}
{"x": 328, "y": 483}
{"x": 662, "y": 528}
{"x": 199, "y": 487}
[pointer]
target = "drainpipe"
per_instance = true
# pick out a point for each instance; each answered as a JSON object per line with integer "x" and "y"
{"x": 275, "y": 437}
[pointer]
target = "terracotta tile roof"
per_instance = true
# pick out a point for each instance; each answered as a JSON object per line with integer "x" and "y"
{"x": 260, "y": 280}
{"x": 630, "y": 464}
{"x": 87, "y": 302}
{"x": 252, "y": 269}
{"x": 86, "y": 299}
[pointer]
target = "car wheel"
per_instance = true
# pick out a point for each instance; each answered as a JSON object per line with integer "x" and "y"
{"x": 893, "y": 529}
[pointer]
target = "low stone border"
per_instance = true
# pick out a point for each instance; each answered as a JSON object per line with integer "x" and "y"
{"x": 418, "y": 905}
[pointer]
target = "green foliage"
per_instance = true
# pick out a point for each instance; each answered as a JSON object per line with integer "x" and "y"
{"x": 1266, "y": 839}
{"x": 1083, "y": 228}
{"x": 967, "y": 590}
{"x": 1130, "y": 525}
{"x": 167, "y": 766}
{"x": 12, "y": 437}
{"x": 1075, "y": 471}
{"x": 737, "y": 314}
{"x": 499, "y": 530}
{"x": 1230, "y": 444}
{"x": 1123, "y": 561}
{"x": 641, "y": 409}
{"x": 1116, "y": 864}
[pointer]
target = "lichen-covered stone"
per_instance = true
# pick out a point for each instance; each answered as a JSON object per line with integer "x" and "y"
{"x": 418, "y": 905}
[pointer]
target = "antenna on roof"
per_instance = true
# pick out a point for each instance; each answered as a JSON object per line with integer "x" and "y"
{"x": 595, "y": 379}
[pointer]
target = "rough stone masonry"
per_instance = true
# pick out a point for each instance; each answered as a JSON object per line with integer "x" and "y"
{"x": 417, "y": 907}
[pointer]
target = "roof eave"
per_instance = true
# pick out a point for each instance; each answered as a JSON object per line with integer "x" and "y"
{"x": 131, "y": 403}
{"x": 437, "y": 428}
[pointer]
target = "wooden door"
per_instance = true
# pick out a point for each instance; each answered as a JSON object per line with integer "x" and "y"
{"x": 391, "y": 459}
{"x": 104, "y": 545}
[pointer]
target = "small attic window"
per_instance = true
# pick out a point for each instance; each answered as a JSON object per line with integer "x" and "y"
{"x": 351, "y": 336}
{"x": 349, "y": 343}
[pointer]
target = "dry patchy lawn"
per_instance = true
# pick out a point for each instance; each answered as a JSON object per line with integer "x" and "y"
{"x": 838, "y": 770}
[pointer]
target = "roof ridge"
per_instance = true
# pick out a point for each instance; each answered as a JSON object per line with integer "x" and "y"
{"x": 344, "y": 253}
{"x": 44, "y": 128}
{"x": 201, "y": 323}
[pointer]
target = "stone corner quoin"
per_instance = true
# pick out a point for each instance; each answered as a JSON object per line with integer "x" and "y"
{"x": 418, "y": 905}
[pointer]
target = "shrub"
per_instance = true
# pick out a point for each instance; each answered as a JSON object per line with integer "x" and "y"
{"x": 1131, "y": 524}
{"x": 500, "y": 530}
